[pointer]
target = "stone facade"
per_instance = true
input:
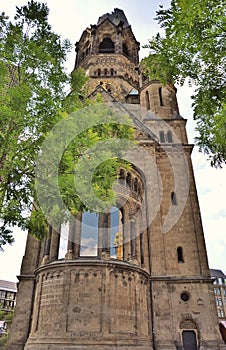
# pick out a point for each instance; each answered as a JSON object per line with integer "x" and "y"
{"x": 157, "y": 293}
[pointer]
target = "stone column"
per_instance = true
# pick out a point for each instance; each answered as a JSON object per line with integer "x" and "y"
{"x": 71, "y": 241}
{"x": 78, "y": 228}
{"x": 54, "y": 245}
{"x": 104, "y": 235}
{"x": 138, "y": 241}
{"x": 126, "y": 235}
{"x": 47, "y": 244}
{"x": 100, "y": 234}
{"x": 24, "y": 301}
{"x": 133, "y": 238}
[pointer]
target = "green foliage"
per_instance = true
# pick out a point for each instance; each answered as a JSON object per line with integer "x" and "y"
{"x": 79, "y": 162}
{"x": 194, "y": 47}
{"x": 7, "y": 317}
{"x": 32, "y": 89}
{"x": 33, "y": 99}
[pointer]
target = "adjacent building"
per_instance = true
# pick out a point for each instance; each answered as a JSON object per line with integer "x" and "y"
{"x": 219, "y": 292}
{"x": 8, "y": 291}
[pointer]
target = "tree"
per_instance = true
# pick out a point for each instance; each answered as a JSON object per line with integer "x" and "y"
{"x": 194, "y": 47}
{"x": 32, "y": 86}
{"x": 7, "y": 317}
{"x": 33, "y": 99}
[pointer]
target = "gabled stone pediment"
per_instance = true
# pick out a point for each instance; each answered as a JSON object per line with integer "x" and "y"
{"x": 107, "y": 97}
{"x": 107, "y": 23}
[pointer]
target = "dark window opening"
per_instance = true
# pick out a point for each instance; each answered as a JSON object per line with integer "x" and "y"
{"x": 180, "y": 257}
{"x": 105, "y": 72}
{"x": 125, "y": 49}
{"x": 99, "y": 72}
{"x": 136, "y": 185}
{"x": 160, "y": 97}
{"x": 112, "y": 71}
{"x": 144, "y": 78}
{"x": 169, "y": 136}
{"x": 141, "y": 249}
{"x": 107, "y": 46}
{"x": 129, "y": 180}
{"x": 162, "y": 136}
{"x": 173, "y": 198}
{"x": 147, "y": 100}
{"x": 189, "y": 340}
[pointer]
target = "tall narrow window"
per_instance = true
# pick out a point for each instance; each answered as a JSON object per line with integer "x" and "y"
{"x": 89, "y": 234}
{"x": 147, "y": 100}
{"x": 173, "y": 198}
{"x": 116, "y": 240}
{"x": 125, "y": 49}
{"x": 141, "y": 249}
{"x": 180, "y": 257}
{"x": 63, "y": 241}
{"x": 122, "y": 177}
{"x": 162, "y": 136}
{"x": 129, "y": 180}
{"x": 160, "y": 97}
{"x": 169, "y": 136}
{"x": 98, "y": 72}
{"x": 105, "y": 72}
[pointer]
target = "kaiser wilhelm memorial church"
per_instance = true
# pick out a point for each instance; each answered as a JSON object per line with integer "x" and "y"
{"x": 146, "y": 284}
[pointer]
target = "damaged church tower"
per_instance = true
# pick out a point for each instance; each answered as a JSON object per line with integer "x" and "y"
{"x": 154, "y": 291}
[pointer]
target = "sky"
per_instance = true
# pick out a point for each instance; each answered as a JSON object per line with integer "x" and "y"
{"x": 69, "y": 18}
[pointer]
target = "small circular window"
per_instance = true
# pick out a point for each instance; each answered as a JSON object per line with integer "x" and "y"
{"x": 185, "y": 296}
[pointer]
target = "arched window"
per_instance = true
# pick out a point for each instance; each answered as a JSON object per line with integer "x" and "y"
{"x": 99, "y": 72}
{"x": 147, "y": 100}
{"x": 105, "y": 71}
{"x": 169, "y": 136}
{"x": 107, "y": 46}
{"x": 173, "y": 198}
{"x": 112, "y": 71}
{"x": 162, "y": 136}
{"x": 180, "y": 258}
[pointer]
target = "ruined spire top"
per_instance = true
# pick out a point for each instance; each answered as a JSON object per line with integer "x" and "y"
{"x": 116, "y": 17}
